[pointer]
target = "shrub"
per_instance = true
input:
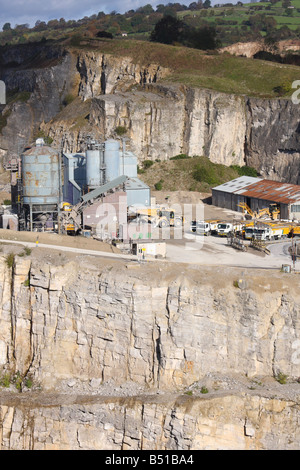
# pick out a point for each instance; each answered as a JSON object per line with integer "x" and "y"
{"x": 68, "y": 99}
{"x": 281, "y": 378}
{"x": 28, "y": 382}
{"x": 244, "y": 170}
{"x": 10, "y": 258}
{"x": 120, "y": 130}
{"x": 147, "y": 164}
{"x": 206, "y": 175}
{"x": 181, "y": 156}
{"x": 158, "y": 186}
{"x": 5, "y": 381}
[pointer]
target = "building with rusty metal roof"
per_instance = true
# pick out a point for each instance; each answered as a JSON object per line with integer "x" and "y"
{"x": 258, "y": 194}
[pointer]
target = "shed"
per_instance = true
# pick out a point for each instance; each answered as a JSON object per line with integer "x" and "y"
{"x": 258, "y": 194}
{"x": 229, "y": 195}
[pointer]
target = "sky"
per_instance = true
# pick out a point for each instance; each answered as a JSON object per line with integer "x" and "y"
{"x": 29, "y": 11}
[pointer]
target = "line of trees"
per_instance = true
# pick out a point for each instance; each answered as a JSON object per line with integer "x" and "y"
{"x": 170, "y": 30}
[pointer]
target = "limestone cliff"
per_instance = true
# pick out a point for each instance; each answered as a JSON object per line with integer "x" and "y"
{"x": 161, "y": 119}
{"x": 110, "y": 351}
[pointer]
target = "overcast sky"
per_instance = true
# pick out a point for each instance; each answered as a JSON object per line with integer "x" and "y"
{"x": 29, "y": 11}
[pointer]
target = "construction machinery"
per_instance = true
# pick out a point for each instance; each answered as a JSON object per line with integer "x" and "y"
{"x": 159, "y": 217}
{"x": 70, "y": 218}
{"x": 271, "y": 212}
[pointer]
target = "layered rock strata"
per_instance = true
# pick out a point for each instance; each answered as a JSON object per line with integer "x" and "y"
{"x": 85, "y": 335}
{"x": 161, "y": 119}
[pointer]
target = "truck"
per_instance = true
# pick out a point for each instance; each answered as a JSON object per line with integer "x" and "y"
{"x": 204, "y": 227}
{"x": 225, "y": 228}
{"x": 266, "y": 233}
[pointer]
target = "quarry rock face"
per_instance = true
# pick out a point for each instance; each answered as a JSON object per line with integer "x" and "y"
{"x": 110, "y": 353}
{"x": 161, "y": 119}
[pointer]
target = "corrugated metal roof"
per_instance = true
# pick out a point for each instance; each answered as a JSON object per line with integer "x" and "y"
{"x": 135, "y": 183}
{"x": 274, "y": 191}
{"x": 103, "y": 189}
{"x": 238, "y": 184}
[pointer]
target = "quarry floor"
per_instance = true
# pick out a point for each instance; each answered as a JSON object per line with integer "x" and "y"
{"x": 181, "y": 247}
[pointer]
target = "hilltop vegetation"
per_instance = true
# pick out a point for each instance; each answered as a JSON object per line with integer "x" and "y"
{"x": 232, "y": 22}
{"x": 196, "y": 173}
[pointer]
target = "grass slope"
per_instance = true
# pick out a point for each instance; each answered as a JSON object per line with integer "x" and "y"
{"x": 189, "y": 174}
{"x": 192, "y": 67}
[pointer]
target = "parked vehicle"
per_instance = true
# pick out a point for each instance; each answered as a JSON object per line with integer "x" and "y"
{"x": 204, "y": 227}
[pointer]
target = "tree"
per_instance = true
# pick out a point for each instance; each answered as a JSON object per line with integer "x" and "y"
{"x": 168, "y": 30}
{"x": 6, "y": 27}
{"x": 207, "y": 4}
{"x": 104, "y": 34}
{"x": 204, "y": 38}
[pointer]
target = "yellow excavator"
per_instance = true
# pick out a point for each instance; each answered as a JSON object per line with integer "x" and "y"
{"x": 272, "y": 211}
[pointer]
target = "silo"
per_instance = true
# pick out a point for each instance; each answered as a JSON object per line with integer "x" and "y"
{"x": 94, "y": 165}
{"x": 41, "y": 184}
{"x": 40, "y": 175}
{"x": 112, "y": 160}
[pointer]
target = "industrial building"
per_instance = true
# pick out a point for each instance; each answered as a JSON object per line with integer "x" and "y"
{"x": 42, "y": 179}
{"x": 259, "y": 193}
{"x": 100, "y": 164}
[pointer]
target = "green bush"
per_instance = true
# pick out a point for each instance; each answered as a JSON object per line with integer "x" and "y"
{"x": 5, "y": 381}
{"x": 10, "y": 258}
{"x": 158, "y": 186}
{"x": 281, "y": 378}
{"x": 206, "y": 175}
{"x": 147, "y": 164}
{"x": 120, "y": 130}
{"x": 181, "y": 156}
{"x": 244, "y": 170}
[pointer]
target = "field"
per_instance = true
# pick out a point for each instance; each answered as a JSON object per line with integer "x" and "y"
{"x": 241, "y": 13}
{"x": 222, "y": 72}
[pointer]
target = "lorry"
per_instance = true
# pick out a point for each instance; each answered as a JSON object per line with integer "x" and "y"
{"x": 207, "y": 227}
{"x": 204, "y": 227}
{"x": 225, "y": 228}
{"x": 266, "y": 232}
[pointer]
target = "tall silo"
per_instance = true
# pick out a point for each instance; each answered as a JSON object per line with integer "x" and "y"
{"x": 41, "y": 184}
{"x": 112, "y": 160}
{"x": 95, "y": 165}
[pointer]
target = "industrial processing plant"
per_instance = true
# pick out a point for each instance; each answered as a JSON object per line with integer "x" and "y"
{"x": 56, "y": 191}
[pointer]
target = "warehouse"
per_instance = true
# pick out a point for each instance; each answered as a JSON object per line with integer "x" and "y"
{"x": 258, "y": 194}
{"x": 229, "y": 195}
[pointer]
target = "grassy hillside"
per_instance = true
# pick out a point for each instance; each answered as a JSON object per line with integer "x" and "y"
{"x": 222, "y": 72}
{"x": 188, "y": 174}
